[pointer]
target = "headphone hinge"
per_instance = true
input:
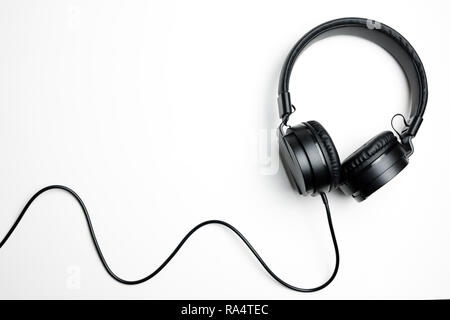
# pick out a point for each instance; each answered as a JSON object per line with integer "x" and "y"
{"x": 412, "y": 127}
{"x": 408, "y": 145}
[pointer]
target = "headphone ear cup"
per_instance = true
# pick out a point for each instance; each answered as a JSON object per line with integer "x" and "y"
{"x": 310, "y": 158}
{"x": 372, "y": 165}
{"x": 329, "y": 149}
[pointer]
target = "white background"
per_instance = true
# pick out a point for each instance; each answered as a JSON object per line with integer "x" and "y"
{"x": 158, "y": 115}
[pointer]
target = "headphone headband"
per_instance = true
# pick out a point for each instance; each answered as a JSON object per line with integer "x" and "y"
{"x": 381, "y": 34}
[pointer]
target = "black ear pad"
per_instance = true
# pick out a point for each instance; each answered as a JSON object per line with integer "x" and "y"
{"x": 373, "y": 165}
{"x": 368, "y": 152}
{"x": 310, "y": 158}
{"x": 327, "y": 145}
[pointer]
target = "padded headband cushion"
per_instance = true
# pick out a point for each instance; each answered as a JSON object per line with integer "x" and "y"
{"x": 335, "y": 163}
{"x": 368, "y": 152}
{"x": 379, "y": 33}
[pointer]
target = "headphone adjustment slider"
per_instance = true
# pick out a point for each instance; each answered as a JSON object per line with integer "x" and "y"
{"x": 284, "y": 104}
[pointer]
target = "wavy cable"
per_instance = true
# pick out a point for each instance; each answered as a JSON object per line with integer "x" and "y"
{"x": 180, "y": 244}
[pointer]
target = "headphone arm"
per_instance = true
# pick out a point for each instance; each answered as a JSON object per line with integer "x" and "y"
{"x": 408, "y": 145}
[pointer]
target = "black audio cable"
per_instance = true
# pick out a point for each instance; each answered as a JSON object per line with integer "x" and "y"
{"x": 178, "y": 247}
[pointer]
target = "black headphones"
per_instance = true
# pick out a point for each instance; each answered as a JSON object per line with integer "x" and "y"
{"x": 307, "y": 150}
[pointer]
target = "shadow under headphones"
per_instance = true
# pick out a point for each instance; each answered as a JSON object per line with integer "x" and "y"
{"x": 308, "y": 152}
